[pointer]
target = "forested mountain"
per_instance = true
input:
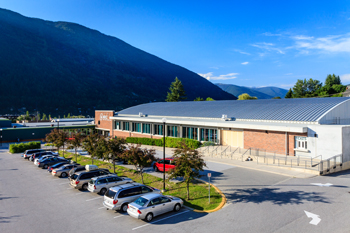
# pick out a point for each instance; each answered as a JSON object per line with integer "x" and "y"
{"x": 260, "y": 93}
{"x": 61, "y": 67}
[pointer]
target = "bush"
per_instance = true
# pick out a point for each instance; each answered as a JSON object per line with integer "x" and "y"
{"x": 21, "y": 147}
{"x": 169, "y": 142}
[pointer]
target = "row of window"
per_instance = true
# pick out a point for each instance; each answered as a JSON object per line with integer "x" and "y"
{"x": 172, "y": 131}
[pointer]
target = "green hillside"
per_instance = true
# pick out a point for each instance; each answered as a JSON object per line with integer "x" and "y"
{"x": 61, "y": 67}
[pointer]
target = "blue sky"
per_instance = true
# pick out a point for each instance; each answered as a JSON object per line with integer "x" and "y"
{"x": 247, "y": 43}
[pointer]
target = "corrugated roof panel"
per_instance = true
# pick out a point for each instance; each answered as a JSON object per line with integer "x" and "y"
{"x": 307, "y": 109}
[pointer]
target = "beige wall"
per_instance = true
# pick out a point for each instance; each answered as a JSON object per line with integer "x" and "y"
{"x": 232, "y": 138}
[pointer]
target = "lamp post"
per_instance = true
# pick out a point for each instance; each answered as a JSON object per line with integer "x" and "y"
{"x": 0, "y": 137}
{"x": 164, "y": 121}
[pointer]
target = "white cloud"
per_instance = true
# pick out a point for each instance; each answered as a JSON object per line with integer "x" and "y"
{"x": 245, "y": 63}
{"x": 301, "y": 37}
{"x": 334, "y": 44}
{"x": 268, "y": 47}
{"x": 271, "y": 34}
{"x": 240, "y": 51}
{"x": 345, "y": 77}
{"x": 209, "y": 76}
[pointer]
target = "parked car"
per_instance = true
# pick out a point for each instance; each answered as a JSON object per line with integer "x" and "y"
{"x": 80, "y": 180}
{"x": 45, "y": 163}
{"x": 102, "y": 183}
{"x": 118, "y": 197}
{"x": 41, "y": 154}
{"x": 151, "y": 205}
{"x": 28, "y": 153}
{"x": 56, "y": 166}
{"x": 63, "y": 170}
{"x": 36, "y": 160}
{"x": 169, "y": 164}
{"x": 74, "y": 170}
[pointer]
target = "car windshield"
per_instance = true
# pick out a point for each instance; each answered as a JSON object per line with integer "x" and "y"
{"x": 91, "y": 182}
{"x": 141, "y": 201}
{"x": 110, "y": 194}
{"x": 74, "y": 176}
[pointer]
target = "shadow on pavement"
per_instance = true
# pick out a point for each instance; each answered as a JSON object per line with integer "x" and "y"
{"x": 273, "y": 195}
{"x": 8, "y": 219}
{"x": 345, "y": 173}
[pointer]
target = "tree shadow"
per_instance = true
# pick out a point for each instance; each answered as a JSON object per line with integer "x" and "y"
{"x": 8, "y": 219}
{"x": 273, "y": 195}
{"x": 340, "y": 174}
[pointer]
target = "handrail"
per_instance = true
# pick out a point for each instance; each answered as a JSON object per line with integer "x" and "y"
{"x": 214, "y": 150}
{"x": 234, "y": 152}
{"x": 249, "y": 149}
{"x": 224, "y": 151}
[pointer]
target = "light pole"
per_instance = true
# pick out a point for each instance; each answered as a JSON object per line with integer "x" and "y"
{"x": 0, "y": 137}
{"x": 164, "y": 121}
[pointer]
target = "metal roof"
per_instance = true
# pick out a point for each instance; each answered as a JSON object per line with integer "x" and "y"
{"x": 305, "y": 109}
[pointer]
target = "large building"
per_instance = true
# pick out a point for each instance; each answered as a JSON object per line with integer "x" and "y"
{"x": 307, "y": 127}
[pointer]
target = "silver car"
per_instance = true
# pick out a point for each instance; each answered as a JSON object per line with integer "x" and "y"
{"x": 150, "y": 205}
{"x": 102, "y": 183}
{"x": 118, "y": 197}
{"x": 44, "y": 157}
{"x": 63, "y": 170}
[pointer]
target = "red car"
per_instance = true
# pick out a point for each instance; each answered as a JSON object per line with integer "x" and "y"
{"x": 169, "y": 164}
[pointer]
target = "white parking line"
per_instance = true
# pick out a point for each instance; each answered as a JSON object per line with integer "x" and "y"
{"x": 102, "y": 208}
{"x": 119, "y": 216}
{"x": 94, "y": 198}
{"x": 79, "y": 193}
{"x": 160, "y": 220}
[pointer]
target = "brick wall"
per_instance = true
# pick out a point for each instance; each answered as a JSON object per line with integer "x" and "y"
{"x": 102, "y": 119}
{"x": 125, "y": 134}
{"x": 121, "y": 134}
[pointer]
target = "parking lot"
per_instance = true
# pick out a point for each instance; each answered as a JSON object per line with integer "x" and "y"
{"x": 32, "y": 200}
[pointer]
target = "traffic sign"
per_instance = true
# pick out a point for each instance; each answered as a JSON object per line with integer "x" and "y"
{"x": 209, "y": 174}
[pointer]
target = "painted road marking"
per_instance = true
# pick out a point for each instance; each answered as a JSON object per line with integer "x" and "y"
{"x": 119, "y": 216}
{"x": 322, "y": 185}
{"x": 79, "y": 193}
{"x": 93, "y": 198}
{"x": 315, "y": 218}
{"x": 102, "y": 208}
{"x": 160, "y": 220}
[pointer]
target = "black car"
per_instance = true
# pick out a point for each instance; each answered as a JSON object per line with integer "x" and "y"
{"x": 57, "y": 165}
{"x": 45, "y": 163}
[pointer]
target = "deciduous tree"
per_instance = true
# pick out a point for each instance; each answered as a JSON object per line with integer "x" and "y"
{"x": 246, "y": 96}
{"x": 116, "y": 149}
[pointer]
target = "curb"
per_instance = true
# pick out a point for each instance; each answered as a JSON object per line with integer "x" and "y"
{"x": 223, "y": 201}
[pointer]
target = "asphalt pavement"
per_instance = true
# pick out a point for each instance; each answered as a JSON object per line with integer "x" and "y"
{"x": 31, "y": 200}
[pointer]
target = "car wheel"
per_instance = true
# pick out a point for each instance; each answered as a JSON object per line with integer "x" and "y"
{"x": 124, "y": 208}
{"x": 149, "y": 217}
{"x": 156, "y": 169}
{"x": 63, "y": 174}
{"x": 177, "y": 207}
{"x": 46, "y": 166}
{"x": 85, "y": 187}
{"x": 103, "y": 191}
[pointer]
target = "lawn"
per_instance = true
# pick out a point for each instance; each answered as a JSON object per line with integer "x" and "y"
{"x": 198, "y": 190}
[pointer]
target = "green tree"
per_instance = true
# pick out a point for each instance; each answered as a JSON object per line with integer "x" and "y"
{"x": 246, "y": 96}
{"x": 289, "y": 94}
{"x": 62, "y": 140}
{"x": 68, "y": 116}
{"x": 27, "y": 113}
{"x": 188, "y": 164}
{"x": 116, "y": 148}
{"x": 95, "y": 145}
{"x": 177, "y": 92}
{"x": 277, "y": 97}
{"x": 198, "y": 99}
{"x": 75, "y": 143}
{"x": 338, "y": 88}
{"x": 49, "y": 116}
{"x": 140, "y": 158}
{"x": 209, "y": 99}
{"x": 332, "y": 80}
{"x": 44, "y": 117}
{"x": 306, "y": 88}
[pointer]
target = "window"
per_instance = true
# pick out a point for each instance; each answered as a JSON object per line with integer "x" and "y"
{"x": 102, "y": 181}
{"x": 300, "y": 142}
{"x": 161, "y": 161}
{"x": 146, "y": 128}
{"x": 145, "y": 189}
{"x": 117, "y": 125}
{"x": 167, "y": 161}
{"x": 126, "y": 126}
{"x": 155, "y": 201}
{"x": 136, "y": 127}
{"x": 208, "y": 135}
{"x": 189, "y": 132}
{"x": 158, "y": 129}
{"x": 164, "y": 200}
{"x": 172, "y": 131}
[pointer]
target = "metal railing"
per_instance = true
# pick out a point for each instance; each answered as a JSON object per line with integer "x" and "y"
{"x": 335, "y": 160}
{"x": 224, "y": 151}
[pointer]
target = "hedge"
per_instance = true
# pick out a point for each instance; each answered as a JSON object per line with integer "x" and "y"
{"x": 169, "y": 142}
{"x": 21, "y": 147}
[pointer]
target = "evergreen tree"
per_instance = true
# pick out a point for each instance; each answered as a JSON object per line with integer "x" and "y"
{"x": 49, "y": 116}
{"x": 332, "y": 80}
{"x": 289, "y": 94}
{"x": 44, "y": 117}
{"x": 177, "y": 92}
{"x": 198, "y": 99}
{"x": 68, "y": 115}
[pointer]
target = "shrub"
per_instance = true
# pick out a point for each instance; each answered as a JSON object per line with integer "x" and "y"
{"x": 21, "y": 147}
{"x": 169, "y": 142}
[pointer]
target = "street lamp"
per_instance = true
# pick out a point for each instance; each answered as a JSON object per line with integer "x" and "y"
{"x": 0, "y": 137}
{"x": 164, "y": 121}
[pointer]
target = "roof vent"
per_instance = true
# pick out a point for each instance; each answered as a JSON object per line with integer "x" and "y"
{"x": 225, "y": 118}
{"x": 142, "y": 115}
